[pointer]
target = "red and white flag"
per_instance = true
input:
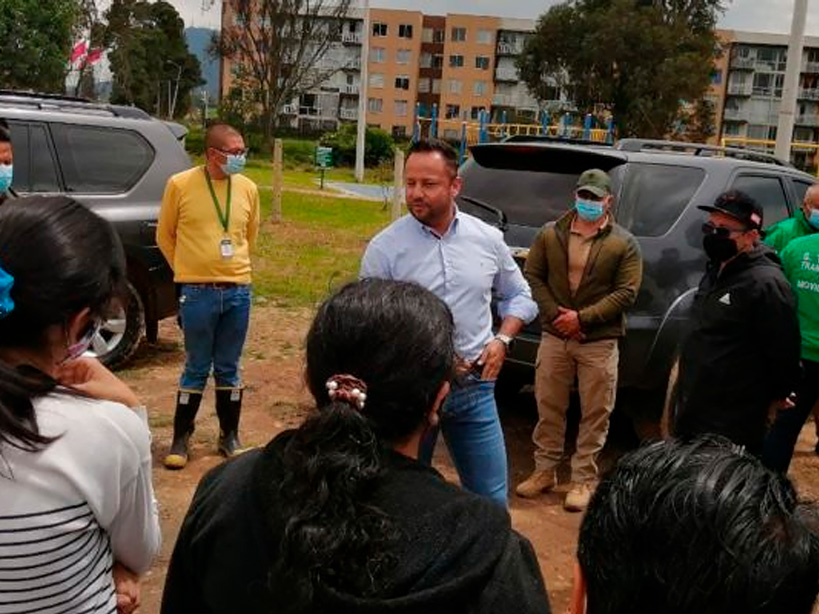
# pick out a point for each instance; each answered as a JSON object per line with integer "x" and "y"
{"x": 78, "y": 51}
{"x": 94, "y": 55}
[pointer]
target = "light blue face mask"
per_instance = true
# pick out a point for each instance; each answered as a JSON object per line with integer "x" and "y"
{"x": 813, "y": 218}
{"x": 6, "y": 177}
{"x": 589, "y": 210}
{"x": 234, "y": 164}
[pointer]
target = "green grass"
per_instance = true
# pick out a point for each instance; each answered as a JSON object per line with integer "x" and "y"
{"x": 317, "y": 248}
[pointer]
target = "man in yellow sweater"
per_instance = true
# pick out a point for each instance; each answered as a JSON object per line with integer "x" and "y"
{"x": 207, "y": 228}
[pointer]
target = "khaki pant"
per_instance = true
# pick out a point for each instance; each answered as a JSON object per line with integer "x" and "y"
{"x": 595, "y": 365}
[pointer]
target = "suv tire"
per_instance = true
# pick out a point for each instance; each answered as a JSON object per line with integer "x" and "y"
{"x": 119, "y": 336}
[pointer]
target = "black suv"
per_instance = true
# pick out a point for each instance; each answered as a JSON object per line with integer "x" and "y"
{"x": 116, "y": 161}
{"x": 523, "y": 183}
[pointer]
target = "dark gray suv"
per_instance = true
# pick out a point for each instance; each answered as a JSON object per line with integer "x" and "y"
{"x": 116, "y": 161}
{"x": 521, "y": 184}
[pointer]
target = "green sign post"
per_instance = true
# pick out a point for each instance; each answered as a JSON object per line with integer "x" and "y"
{"x": 324, "y": 160}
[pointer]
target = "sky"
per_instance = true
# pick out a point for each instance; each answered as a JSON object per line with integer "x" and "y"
{"x": 751, "y": 15}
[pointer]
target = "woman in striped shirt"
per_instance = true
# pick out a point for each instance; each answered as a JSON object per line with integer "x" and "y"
{"x": 76, "y": 501}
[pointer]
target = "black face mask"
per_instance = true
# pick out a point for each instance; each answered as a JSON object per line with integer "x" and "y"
{"x": 719, "y": 249}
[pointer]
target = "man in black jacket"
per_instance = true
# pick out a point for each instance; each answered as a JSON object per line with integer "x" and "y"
{"x": 740, "y": 361}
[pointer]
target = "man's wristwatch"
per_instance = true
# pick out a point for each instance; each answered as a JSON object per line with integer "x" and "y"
{"x": 504, "y": 339}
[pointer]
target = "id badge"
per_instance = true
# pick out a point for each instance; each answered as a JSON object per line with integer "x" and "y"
{"x": 226, "y": 248}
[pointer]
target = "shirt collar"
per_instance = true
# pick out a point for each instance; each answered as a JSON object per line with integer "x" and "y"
{"x": 453, "y": 227}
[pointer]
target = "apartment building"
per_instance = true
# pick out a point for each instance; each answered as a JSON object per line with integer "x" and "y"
{"x": 463, "y": 64}
{"x": 395, "y": 50}
{"x": 752, "y": 77}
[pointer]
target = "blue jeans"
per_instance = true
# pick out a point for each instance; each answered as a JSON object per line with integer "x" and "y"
{"x": 472, "y": 431}
{"x": 214, "y": 323}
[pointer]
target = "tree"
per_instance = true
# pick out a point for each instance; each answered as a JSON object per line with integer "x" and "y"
{"x": 37, "y": 38}
{"x": 639, "y": 59}
{"x": 149, "y": 58}
{"x": 697, "y": 122}
{"x": 278, "y": 45}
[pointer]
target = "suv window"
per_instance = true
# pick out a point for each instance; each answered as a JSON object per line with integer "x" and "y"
{"x": 648, "y": 185}
{"x": 800, "y": 187}
{"x": 101, "y": 160}
{"x": 34, "y": 168}
{"x": 768, "y": 192}
{"x": 528, "y": 198}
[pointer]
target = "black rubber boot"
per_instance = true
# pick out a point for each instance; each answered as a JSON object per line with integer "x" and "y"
{"x": 229, "y": 408}
{"x": 187, "y": 404}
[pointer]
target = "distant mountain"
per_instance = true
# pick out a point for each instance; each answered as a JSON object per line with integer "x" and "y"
{"x": 198, "y": 40}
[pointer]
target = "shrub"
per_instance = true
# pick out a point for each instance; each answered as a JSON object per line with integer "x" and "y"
{"x": 378, "y": 145}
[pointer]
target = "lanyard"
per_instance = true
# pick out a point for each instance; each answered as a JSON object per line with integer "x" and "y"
{"x": 224, "y": 218}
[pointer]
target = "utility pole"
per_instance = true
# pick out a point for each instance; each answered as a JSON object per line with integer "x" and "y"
{"x": 362, "y": 96}
{"x": 787, "y": 108}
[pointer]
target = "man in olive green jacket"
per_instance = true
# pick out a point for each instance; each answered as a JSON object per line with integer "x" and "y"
{"x": 585, "y": 272}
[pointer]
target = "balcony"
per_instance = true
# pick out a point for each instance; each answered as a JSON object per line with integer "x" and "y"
{"x": 502, "y": 100}
{"x": 811, "y": 121}
{"x": 348, "y": 114}
{"x": 507, "y": 74}
{"x": 809, "y": 94}
{"x": 736, "y": 115}
{"x": 743, "y": 63}
{"x": 739, "y": 89}
{"x": 353, "y": 64}
{"x": 811, "y": 67}
{"x": 509, "y": 48}
{"x": 351, "y": 90}
{"x": 309, "y": 111}
{"x": 351, "y": 38}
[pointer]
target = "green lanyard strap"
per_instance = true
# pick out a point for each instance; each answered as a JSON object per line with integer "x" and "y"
{"x": 224, "y": 218}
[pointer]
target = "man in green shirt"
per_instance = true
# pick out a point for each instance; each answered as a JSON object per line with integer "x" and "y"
{"x": 800, "y": 261}
{"x": 805, "y": 222}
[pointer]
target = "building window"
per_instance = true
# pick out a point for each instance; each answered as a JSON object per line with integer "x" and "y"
{"x": 480, "y": 88}
{"x": 453, "y": 111}
{"x": 439, "y": 36}
{"x": 437, "y": 61}
{"x": 426, "y": 35}
{"x": 377, "y": 80}
{"x": 402, "y": 82}
{"x": 399, "y": 132}
{"x": 458, "y": 35}
{"x": 456, "y": 61}
{"x": 482, "y": 62}
{"x": 475, "y": 113}
{"x": 401, "y": 108}
{"x": 436, "y": 86}
{"x": 426, "y": 59}
{"x": 485, "y": 37}
{"x": 378, "y": 55}
{"x": 405, "y": 31}
{"x": 379, "y": 29}
{"x": 403, "y": 56}
{"x": 424, "y": 86}
{"x": 375, "y": 105}
{"x": 455, "y": 86}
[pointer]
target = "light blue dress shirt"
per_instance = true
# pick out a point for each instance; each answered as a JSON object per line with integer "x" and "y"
{"x": 464, "y": 268}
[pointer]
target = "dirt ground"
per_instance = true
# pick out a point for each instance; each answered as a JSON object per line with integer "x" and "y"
{"x": 276, "y": 399}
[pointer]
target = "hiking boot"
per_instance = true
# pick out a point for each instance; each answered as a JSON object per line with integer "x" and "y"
{"x": 577, "y": 499}
{"x": 187, "y": 404}
{"x": 539, "y": 482}
{"x": 228, "y": 409}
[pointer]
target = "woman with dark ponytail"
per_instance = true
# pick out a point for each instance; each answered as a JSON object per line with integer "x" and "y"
{"x": 75, "y": 459}
{"x": 338, "y": 515}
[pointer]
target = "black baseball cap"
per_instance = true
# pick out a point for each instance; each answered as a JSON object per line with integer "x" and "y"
{"x": 739, "y": 206}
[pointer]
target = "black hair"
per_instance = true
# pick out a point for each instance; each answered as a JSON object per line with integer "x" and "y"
{"x": 446, "y": 150}
{"x": 216, "y": 131}
{"x": 698, "y": 527}
{"x": 5, "y": 131}
{"x": 63, "y": 259}
{"x": 396, "y": 337}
